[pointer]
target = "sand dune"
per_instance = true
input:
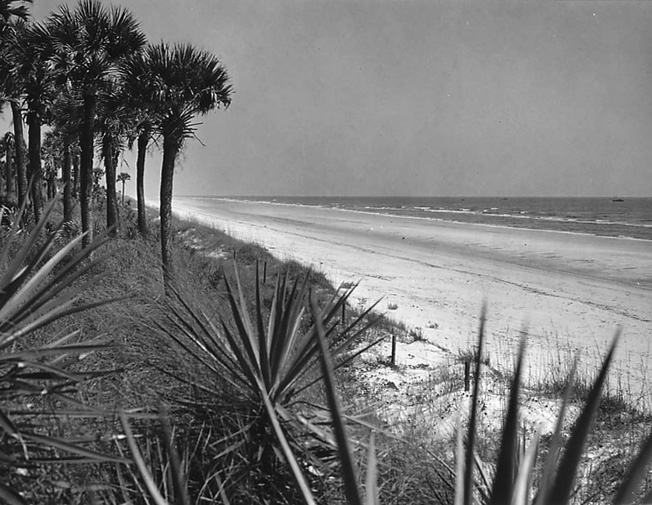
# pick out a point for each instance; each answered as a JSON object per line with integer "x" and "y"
{"x": 571, "y": 291}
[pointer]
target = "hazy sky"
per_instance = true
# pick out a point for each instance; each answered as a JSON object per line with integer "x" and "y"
{"x": 416, "y": 98}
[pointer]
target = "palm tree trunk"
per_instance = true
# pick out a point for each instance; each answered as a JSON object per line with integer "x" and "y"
{"x": 86, "y": 129}
{"x": 21, "y": 161}
{"x": 52, "y": 184}
{"x": 35, "y": 170}
{"x": 170, "y": 150}
{"x": 143, "y": 139}
{"x": 67, "y": 189}
{"x": 111, "y": 196}
{"x": 75, "y": 175}
{"x": 9, "y": 171}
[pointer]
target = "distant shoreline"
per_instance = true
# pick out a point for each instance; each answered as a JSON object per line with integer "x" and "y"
{"x": 485, "y": 219}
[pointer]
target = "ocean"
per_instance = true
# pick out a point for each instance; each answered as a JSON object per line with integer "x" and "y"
{"x": 626, "y": 217}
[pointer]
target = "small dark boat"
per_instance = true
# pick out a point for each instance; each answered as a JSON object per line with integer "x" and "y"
{"x": 617, "y": 200}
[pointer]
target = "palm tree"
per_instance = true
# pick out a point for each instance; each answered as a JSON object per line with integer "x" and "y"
{"x": 20, "y": 150}
{"x": 66, "y": 127}
{"x": 12, "y": 14}
{"x": 141, "y": 134}
{"x": 123, "y": 177}
{"x": 12, "y": 19}
{"x": 90, "y": 41}
{"x": 28, "y": 54}
{"x": 178, "y": 83}
{"x": 116, "y": 121}
{"x": 144, "y": 129}
{"x": 52, "y": 157}
{"x": 10, "y": 10}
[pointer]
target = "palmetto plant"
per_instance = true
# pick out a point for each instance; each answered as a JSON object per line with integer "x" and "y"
{"x": 260, "y": 363}
{"x": 517, "y": 478}
{"x": 38, "y": 285}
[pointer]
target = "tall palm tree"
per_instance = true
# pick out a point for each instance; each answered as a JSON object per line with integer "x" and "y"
{"x": 12, "y": 14}
{"x": 144, "y": 130}
{"x": 116, "y": 120}
{"x": 12, "y": 20}
{"x": 123, "y": 177}
{"x": 179, "y": 82}
{"x": 141, "y": 134}
{"x": 28, "y": 53}
{"x": 90, "y": 41}
{"x": 66, "y": 126}
{"x": 52, "y": 158}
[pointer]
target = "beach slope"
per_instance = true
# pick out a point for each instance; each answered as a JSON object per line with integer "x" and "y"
{"x": 569, "y": 291}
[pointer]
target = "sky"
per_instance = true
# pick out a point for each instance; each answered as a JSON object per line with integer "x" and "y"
{"x": 415, "y": 98}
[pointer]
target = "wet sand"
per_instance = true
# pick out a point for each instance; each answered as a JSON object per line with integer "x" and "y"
{"x": 570, "y": 291}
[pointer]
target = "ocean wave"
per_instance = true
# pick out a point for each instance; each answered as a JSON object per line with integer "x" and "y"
{"x": 592, "y": 216}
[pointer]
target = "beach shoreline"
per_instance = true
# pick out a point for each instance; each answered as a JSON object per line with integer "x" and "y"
{"x": 426, "y": 219}
{"x": 597, "y": 218}
{"x": 571, "y": 291}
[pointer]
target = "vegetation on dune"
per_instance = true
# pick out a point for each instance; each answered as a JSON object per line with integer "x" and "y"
{"x": 87, "y": 74}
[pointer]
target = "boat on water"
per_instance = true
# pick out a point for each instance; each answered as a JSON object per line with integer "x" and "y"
{"x": 617, "y": 200}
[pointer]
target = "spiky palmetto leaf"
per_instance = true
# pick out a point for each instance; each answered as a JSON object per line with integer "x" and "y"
{"x": 151, "y": 490}
{"x": 506, "y": 469}
{"x": 266, "y": 359}
{"x": 561, "y": 488}
{"x": 278, "y": 354}
{"x": 515, "y": 476}
{"x": 346, "y": 458}
{"x": 33, "y": 294}
{"x": 38, "y": 285}
{"x": 156, "y": 491}
{"x": 464, "y": 480}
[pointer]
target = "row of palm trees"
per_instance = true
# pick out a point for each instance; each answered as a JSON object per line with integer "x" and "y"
{"x": 88, "y": 74}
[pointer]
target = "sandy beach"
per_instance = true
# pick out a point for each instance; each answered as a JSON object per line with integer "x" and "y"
{"x": 570, "y": 291}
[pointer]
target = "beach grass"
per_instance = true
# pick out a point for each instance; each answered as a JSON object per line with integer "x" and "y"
{"x": 193, "y": 430}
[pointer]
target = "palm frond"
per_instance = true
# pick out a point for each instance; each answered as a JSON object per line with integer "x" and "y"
{"x": 175, "y": 83}
{"x": 36, "y": 288}
{"x": 262, "y": 356}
